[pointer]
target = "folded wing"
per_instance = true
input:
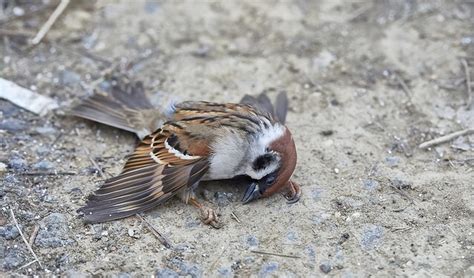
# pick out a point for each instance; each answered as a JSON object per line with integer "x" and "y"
{"x": 154, "y": 173}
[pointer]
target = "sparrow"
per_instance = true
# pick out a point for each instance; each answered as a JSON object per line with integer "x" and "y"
{"x": 190, "y": 142}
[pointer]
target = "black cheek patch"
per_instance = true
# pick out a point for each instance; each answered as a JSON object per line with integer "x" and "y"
{"x": 263, "y": 161}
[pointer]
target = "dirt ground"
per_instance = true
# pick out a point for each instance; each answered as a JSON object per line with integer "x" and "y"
{"x": 368, "y": 82}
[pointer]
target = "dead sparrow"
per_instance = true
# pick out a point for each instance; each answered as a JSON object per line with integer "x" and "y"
{"x": 199, "y": 141}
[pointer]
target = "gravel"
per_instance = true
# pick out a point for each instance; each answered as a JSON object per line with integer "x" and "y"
{"x": 54, "y": 231}
{"x": 14, "y": 258}
{"x": 9, "y": 232}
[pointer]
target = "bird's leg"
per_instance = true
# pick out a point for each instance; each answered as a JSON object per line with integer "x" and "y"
{"x": 208, "y": 215}
{"x": 293, "y": 193}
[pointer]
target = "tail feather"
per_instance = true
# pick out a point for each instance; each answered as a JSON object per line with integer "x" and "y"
{"x": 125, "y": 106}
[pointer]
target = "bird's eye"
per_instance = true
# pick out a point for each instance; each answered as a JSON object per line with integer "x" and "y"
{"x": 270, "y": 180}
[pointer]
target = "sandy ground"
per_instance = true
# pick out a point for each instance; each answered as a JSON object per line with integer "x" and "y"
{"x": 368, "y": 82}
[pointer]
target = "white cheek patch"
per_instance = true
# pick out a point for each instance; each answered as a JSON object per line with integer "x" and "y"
{"x": 263, "y": 172}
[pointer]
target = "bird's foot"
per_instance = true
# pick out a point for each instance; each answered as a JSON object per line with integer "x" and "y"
{"x": 208, "y": 215}
{"x": 293, "y": 193}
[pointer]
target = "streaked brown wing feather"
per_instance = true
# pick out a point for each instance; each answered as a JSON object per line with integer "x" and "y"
{"x": 145, "y": 182}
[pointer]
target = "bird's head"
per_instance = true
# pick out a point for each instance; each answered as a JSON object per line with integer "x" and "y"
{"x": 272, "y": 170}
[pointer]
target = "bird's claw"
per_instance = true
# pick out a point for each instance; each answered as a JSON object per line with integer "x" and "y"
{"x": 209, "y": 217}
{"x": 293, "y": 194}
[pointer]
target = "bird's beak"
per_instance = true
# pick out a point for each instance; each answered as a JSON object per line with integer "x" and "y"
{"x": 252, "y": 193}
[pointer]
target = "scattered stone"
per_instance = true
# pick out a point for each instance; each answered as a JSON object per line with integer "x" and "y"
{"x": 249, "y": 260}
{"x": 251, "y": 241}
{"x": 166, "y": 273}
{"x": 311, "y": 253}
{"x": 122, "y": 275}
{"x": 323, "y": 60}
{"x": 370, "y": 184}
{"x": 462, "y": 144}
{"x": 291, "y": 237}
{"x": 54, "y": 231}
{"x": 327, "y": 132}
{"x": 401, "y": 183}
{"x": 68, "y": 77}
{"x": 325, "y": 267}
{"x": 76, "y": 274}
{"x": 185, "y": 268}
{"x": 9, "y": 232}
{"x": 13, "y": 125}
{"x": 223, "y": 198}
{"x": 14, "y": 258}
{"x": 42, "y": 150}
{"x": 17, "y": 164}
{"x": 371, "y": 236}
{"x": 225, "y": 271}
{"x": 3, "y": 219}
{"x": 267, "y": 269}
{"x": 392, "y": 161}
{"x": 236, "y": 265}
{"x": 44, "y": 165}
{"x": 316, "y": 194}
{"x": 344, "y": 238}
{"x": 151, "y": 6}
{"x": 3, "y": 167}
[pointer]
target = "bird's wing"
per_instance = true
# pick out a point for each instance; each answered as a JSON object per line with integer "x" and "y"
{"x": 125, "y": 106}
{"x": 155, "y": 172}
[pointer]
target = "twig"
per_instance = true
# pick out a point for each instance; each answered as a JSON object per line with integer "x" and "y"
{"x": 401, "y": 229}
{"x": 96, "y": 166}
{"x": 468, "y": 83}
{"x": 49, "y": 173}
{"x": 28, "y": 264}
{"x": 235, "y": 217}
{"x": 24, "y": 239}
{"x": 155, "y": 232}
{"x": 34, "y": 234}
{"x": 49, "y": 23}
{"x": 446, "y": 138}
{"x": 404, "y": 85}
{"x": 275, "y": 254}
{"x": 15, "y": 33}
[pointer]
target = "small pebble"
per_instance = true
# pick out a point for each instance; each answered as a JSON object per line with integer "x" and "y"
{"x": 44, "y": 165}
{"x": 166, "y": 273}
{"x": 13, "y": 125}
{"x": 268, "y": 269}
{"x": 13, "y": 259}
{"x": 54, "y": 231}
{"x": 325, "y": 268}
{"x": 392, "y": 161}
{"x": 3, "y": 167}
{"x": 17, "y": 164}
{"x": 9, "y": 232}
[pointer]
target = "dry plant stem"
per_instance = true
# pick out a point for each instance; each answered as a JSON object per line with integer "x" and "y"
{"x": 155, "y": 232}
{"x": 24, "y": 239}
{"x": 404, "y": 85}
{"x": 275, "y": 254}
{"x": 446, "y": 138}
{"x": 235, "y": 217}
{"x": 49, "y": 23}
{"x": 470, "y": 100}
{"x": 96, "y": 166}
